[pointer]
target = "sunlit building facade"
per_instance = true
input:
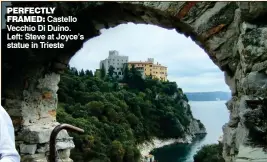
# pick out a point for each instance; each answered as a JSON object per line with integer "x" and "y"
{"x": 150, "y": 69}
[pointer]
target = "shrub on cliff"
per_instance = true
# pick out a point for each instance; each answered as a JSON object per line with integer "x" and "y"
{"x": 201, "y": 126}
{"x": 209, "y": 153}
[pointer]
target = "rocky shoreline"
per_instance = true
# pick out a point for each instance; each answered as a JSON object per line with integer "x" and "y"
{"x": 194, "y": 130}
{"x": 147, "y": 147}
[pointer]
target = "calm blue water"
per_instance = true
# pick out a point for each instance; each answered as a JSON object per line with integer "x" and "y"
{"x": 213, "y": 114}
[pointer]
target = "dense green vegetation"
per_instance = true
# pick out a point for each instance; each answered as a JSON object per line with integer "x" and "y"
{"x": 118, "y": 114}
{"x": 210, "y": 153}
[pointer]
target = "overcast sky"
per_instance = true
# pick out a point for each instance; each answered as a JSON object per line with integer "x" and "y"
{"x": 187, "y": 63}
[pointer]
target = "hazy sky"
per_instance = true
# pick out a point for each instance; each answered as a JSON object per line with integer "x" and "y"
{"x": 187, "y": 63}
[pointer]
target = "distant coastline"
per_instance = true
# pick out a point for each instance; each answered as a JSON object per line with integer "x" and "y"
{"x": 208, "y": 96}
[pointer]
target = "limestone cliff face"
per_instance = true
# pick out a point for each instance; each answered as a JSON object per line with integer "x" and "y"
{"x": 233, "y": 34}
{"x": 195, "y": 126}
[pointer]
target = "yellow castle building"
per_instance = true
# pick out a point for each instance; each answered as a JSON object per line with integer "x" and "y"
{"x": 148, "y": 68}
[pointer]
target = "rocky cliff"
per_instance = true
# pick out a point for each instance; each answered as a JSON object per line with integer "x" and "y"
{"x": 195, "y": 128}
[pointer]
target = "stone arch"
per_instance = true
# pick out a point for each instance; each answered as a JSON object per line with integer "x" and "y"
{"x": 233, "y": 34}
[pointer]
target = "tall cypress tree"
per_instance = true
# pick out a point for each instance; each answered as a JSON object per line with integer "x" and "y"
{"x": 126, "y": 73}
{"x": 102, "y": 71}
{"x": 111, "y": 71}
{"x": 82, "y": 73}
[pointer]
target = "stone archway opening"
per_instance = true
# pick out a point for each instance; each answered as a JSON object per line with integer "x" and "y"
{"x": 233, "y": 34}
{"x": 188, "y": 65}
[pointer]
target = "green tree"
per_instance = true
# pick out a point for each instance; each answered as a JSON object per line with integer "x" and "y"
{"x": 210, "y": 153}
{"x": 103, "y": 71}
{"x": 111, "y": 71}
{"x": 117, "y": 151}
{"x": 126, "y": 73}
{"x": 89, "y": 73}
{"x": 82, "y": 73}
{"x": 129, "y": 154}
{"x": 74, "y": 71}
{"x": 95, "y": 108}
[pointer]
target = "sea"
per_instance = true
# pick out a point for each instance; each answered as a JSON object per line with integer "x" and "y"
{"x": 213, "y": 114}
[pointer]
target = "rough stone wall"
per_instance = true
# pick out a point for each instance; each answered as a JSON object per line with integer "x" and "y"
{"x": 34, "y": 117}
{"x": 232, "y": 33}
{"x": 245, "y": 133}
